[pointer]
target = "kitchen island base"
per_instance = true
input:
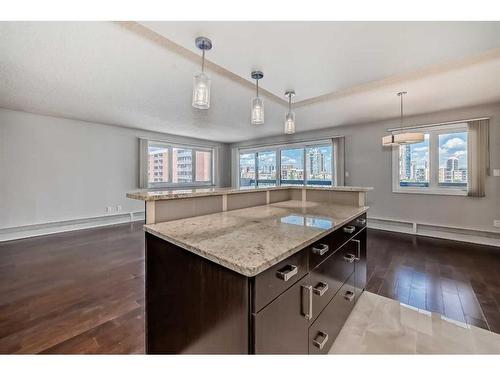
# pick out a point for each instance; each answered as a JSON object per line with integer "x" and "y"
{"x": 297, "y": 306}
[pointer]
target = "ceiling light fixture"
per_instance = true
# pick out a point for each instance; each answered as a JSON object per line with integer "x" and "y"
{"x": 403, "y": 138}
{"x": 257, "y": 103}
{"x": 290, "y": 116}
{"x": 201, "y": 82}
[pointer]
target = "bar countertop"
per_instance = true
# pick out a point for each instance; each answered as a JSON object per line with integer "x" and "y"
{"x": 154, "y": 195}
{"x": 251, "y": 240}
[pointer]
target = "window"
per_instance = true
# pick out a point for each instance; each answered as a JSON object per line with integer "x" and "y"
{"x": 292, "y": 166}
{"x": 453, "y": 159}
{"x": 266, "y": 168}
{"x": 414, "y": 164}
{"x": 175, "y": 165}
{"x": 297, "y": 164}
{"x": 247, "y": 170}
{"x": 438, "y": 165}
{"x": 319, "y": 165}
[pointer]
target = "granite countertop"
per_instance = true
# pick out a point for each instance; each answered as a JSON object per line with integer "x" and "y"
{"x": 154, "y": 195}
{"x": 250, "y": 240}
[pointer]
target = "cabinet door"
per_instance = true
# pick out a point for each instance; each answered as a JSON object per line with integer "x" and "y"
{"x": 282, "y": 326}
{"x": 360, "y": 263}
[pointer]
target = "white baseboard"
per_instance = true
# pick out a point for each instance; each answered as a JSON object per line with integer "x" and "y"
{"x": 14, "y": 233}
{"x": 438, "y": 231}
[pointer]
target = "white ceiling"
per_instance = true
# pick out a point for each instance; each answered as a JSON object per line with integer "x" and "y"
{"x": 126, "y": 75}
{"x": 318, "y": 58}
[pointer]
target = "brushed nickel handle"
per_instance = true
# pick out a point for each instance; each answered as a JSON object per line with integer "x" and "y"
{"x": 307, "y": 301}
{"x": 349, "y": 295}
{"x": 358, "y": 257}
{"x": 320, "y": 249}
{"x": 320, "y": 289}
{"x": 324, "y": 339}
{"x": 349, "y": 229}
{"x": 287, "y": 272}
{"x": 361, "y": 221}
{"x": 349, "y": 258}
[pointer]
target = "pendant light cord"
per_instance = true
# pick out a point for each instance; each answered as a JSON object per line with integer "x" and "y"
{"x": 257, "y": 85}
{"x": 401, "y": 113}
{"x": 289, "y": 103}
{"x": 203, "y": 61}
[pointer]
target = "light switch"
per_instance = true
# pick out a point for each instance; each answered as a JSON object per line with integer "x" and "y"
{"x": 496, "y": 172}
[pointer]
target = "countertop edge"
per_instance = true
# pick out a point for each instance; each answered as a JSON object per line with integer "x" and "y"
{"x": 257, "y": 270}
{"x": 139, "y": 195}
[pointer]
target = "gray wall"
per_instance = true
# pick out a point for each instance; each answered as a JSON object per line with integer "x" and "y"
{"x": 55, "y": 169}
{"x": 369, "y": 164}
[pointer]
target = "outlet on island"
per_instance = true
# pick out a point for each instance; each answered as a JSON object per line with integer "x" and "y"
{"x": 496, "y": 223}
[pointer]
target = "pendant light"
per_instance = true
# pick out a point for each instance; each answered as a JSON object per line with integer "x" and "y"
{"x": 201, "y": 82}
{"x": 257, "y": 103}
{"x": 290, "y": 116}
{"x": 403, "y": 138}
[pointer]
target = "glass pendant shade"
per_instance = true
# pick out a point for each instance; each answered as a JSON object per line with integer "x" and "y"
{"x": 201, "y": 91}
{"x": 257, "y": 111}
{"x": 290, "y": 123}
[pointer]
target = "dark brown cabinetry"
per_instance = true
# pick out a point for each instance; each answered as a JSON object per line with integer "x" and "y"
{"x": 297, "y": 306}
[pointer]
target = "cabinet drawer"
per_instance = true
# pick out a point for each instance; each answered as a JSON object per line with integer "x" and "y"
{"x": 272, "y": 282}
{"x": 325, "y": 329}
{"x": 347, "y": 231}
{"x": 327, "y": 278}
{"x": 320, "y": 250}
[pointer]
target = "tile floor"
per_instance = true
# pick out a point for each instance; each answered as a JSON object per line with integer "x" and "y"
{"x": 380, "y": 325}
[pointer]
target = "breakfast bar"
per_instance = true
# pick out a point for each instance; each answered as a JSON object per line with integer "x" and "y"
{"x": 261, "y": 271}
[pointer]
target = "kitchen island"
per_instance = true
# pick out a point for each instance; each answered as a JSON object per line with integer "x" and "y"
{"x": 275, "y": 277}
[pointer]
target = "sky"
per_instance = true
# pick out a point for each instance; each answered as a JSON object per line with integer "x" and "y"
{"x": 450, "y": 145}
{"x": 453, "y": 145}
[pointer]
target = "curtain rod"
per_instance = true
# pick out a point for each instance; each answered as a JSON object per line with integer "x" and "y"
{"x": 288, "y": 143}
{"x": 410, "y": 127}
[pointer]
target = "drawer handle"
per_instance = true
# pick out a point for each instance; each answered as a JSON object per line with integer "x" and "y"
{"x": 349, "y": 258}
{"x": 320, "y": 289}
{"x": 307, "y": 301}
{"x": 349, "y": 295}
{"x": 320, "y": 249}
{"x": 358, "y": 256}
{"x": 287, "y": 272}
{"x": 349, "y": 229}
{"x": 324, "y": 339}
{"x": 361, "y": 221}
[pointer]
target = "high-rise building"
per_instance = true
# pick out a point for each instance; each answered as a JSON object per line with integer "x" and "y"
{"x": 452, "y": 164}
{"x": 158, "y": 165}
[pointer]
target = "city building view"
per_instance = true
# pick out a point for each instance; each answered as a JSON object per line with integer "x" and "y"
{"x": 182, "y": 165}
{"x": 318, "y": 169}
{"x": 453, "y": 159}
{"x": 414, "y": 161}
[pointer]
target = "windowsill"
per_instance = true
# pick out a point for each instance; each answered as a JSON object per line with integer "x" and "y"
{"x": 430, "y": 191}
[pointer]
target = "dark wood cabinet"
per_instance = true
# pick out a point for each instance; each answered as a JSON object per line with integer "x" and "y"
{"x": 325, "y": 329}
{"x": 360, "y": 264}
{"x": 297, "y": 306}
{"x": 282, "y": 326}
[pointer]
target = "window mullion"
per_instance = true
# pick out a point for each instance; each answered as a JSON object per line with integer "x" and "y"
{"x": 256, "y": 158}
{"x": 433, "y": 160}
{"x": 193, "y": 166}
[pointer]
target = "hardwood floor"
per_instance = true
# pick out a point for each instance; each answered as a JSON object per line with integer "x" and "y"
{"x": 83, "y": 291}
{"x": 455, "y": 279}
{"x": 75, "y": 292}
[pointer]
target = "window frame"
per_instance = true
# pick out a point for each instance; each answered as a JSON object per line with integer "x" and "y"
{"x": 434, "y": 187}
{"x": 278, "y": 148}
{"x": 145, "y": 183}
